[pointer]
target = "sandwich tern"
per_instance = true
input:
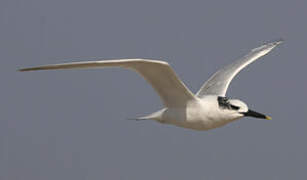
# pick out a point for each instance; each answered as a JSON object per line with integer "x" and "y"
{"x": 209, "y": 108}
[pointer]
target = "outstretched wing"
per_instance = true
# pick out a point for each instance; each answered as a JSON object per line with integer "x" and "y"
{"x": 219, "y": 82}
{"x": 159, "y": 74}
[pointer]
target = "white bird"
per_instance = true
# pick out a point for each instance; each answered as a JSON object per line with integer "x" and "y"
{"x": 209, "y": 108}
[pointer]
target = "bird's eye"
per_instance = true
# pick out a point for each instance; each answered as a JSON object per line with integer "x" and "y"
{"x": 225, "y": 104}
{"x": 234, "y": 107}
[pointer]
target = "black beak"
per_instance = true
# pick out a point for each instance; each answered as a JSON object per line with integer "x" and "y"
{"x": 256, "y": 115}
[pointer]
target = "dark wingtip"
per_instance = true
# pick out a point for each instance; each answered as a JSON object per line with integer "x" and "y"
{"x": 21, "y": 70}
{"x": 269, "y": 44}
{"x": 136, "y": 119}
{"x": 30, "y": 69}
{"x": 275, "y": 42}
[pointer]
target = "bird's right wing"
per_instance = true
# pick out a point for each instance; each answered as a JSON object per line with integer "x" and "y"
{"x": 159, "y": 74}
{"x": 219, "y": 82}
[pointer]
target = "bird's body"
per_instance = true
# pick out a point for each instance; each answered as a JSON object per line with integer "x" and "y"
{"x": 198, "y": 114}
{"x": 209, "y": 108}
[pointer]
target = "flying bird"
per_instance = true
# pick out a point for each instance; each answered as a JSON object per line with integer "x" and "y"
{"x": 207, "y": 109}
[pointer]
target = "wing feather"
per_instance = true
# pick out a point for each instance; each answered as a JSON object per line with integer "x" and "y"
{"x": 219, "y": 82}
{"x": 159, "y": 74}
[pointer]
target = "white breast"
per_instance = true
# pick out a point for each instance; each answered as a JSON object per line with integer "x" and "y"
{"x": 202, "y": 114}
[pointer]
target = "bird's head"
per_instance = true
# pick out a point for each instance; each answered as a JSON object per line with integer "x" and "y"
{"x": 237, "y": 108}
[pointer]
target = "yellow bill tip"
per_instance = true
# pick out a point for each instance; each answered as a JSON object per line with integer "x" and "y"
{"x": 268, "y": 117}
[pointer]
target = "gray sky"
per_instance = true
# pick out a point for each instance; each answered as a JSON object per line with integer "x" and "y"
{"x": 72, "y": 124}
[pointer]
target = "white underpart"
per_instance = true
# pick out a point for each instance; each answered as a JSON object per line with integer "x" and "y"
{"x": 182, "y": 107}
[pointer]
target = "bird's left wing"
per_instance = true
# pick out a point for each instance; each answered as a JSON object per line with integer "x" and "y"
{"x": 159, "y": 74}
{"x": 219, "y": 82}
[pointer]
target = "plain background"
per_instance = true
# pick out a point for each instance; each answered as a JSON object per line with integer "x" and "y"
{"x": 72, "y": 124}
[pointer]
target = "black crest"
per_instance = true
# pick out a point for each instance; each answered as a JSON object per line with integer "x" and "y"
{"x": 224, "y": 103}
